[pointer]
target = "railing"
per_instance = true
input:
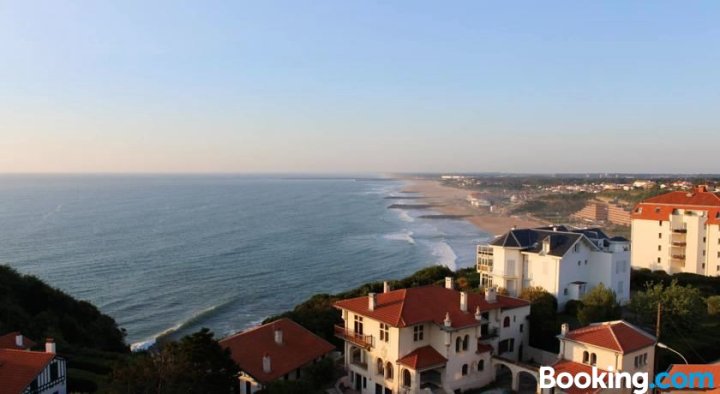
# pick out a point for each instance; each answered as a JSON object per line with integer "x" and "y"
{"x": 678, "y": 257}
{"x": 679, "y": 243}
{"x": 680, "y": 230}
{"x": 485, "y": 267}
{"x": 485, "y": 250}
{"x": 364, "y": 341}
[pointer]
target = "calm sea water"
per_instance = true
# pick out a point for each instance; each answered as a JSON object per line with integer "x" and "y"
{"x": 171, "y": 254}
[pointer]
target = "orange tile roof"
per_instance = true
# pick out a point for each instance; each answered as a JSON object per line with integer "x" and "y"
{"x": 407, "y": 307}
{"x": 7, "y": 341}
{"x": 299, "y": 348}
{"x": 686, "y": 369}
{"x": 423, "y": 358}
{"x": 18, "y": 368}
{"x": 575, "y": 368}
{"x": 618, "y": 335}
{"x": 661, "y": 207}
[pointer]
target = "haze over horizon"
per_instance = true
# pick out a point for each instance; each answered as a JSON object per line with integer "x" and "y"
{"x": 339, "y": 87}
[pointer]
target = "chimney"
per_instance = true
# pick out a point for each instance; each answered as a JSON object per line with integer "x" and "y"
{"x": 546, "y": 244}
{"x": 554, "y": 228}
{"x": 278, "y": 336}
{"x": 478, "y": 315}
{"x": 386, "y": 287}
{"x": 448, "y": 322}
{"x": 266, "y": 363}
{"x": 50, "y": 346}
{"x": 19, "y": 341}
{"x": 448, "y": 282}
{"x": 564, "y": 329}
{"x": 371, "y": 301}
{"x": 463, "y": 301}
{"x": 490, "y": 295}
{"x": 513, "y": 228}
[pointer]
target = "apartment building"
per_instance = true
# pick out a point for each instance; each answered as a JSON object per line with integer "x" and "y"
{"x": 429, "y": 338}
{"x": 278, "y": 350}
{"x": 678, "y": 232}
{"x": 609, "y": 346}
{"x": 567, "y": 262}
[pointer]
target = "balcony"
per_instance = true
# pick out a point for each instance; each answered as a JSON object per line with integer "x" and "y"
{"x": 678, "y": 257}
{"x": 679, "y": 230}
{"x": 484, "y": 267}
{"x": 364, "y": 341}
{"x": 679, "y": 244}
{"x": 484, "y": 250}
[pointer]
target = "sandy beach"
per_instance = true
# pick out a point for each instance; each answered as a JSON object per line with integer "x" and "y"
{"x": 453, "y": 201}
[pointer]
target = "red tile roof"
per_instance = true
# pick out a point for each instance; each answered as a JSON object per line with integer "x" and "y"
{"x": 407, "y": 307}
{"x": 299, "y": 348}
{"x": 661, "y": 207}
{"x": 686, "y": 369}
{"x": 423, "y": 358}
{"x": 575, "y": 368}
{"x": 483, "y": 348}
{"x": 18, "y": 368}
{"x": 7, "y": 341}
{"x": 619, "y": 336}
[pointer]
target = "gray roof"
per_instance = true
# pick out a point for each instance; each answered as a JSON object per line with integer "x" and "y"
{"x": 561, "y": 238}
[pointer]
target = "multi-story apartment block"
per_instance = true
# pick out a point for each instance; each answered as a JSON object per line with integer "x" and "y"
{"x": 431, "y": 337}
{"x": 566, "y": 262}
{"x": 678, "y": 232}
{"x": 609, "y": 346}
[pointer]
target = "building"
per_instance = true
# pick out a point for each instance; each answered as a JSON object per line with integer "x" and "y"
{"x": 617, "y": 345}
{"x": 598, "y": 211}
{"x": 274, "y": 351}
{"x": 678, "y": 232}
{"x": 23, "y": 371}
{"x": 476, "y": 200}
{"x": 564, "y": 261}
{"x": 430, "y": 337}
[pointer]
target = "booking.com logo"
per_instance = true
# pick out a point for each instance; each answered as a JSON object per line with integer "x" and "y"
{"x": 639, "y": 382}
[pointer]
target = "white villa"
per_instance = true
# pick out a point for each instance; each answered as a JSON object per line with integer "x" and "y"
{"x": 23, "y": 371}
{"x": 617, "y": 345}
{"x": 565, "y": 261}
{"x": 430, "y": 339}
{"x": 678, "y": 232}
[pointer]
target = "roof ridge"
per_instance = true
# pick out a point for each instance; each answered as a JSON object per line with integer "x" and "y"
{"x": 612, "y": 332}
{"x": 402, "y": 309}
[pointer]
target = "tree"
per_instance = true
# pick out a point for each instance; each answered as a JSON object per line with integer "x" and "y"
{"x": 683, "y": 307}
{"x": 713, "y": 305}
{"x": 533, "y": 293}
{"x": 543, "y": 320}
{"x": 195, "y": 364}
{"x": 599, "y": 304}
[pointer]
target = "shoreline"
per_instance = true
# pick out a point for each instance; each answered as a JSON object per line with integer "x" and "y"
{"x": 452, "y": 202}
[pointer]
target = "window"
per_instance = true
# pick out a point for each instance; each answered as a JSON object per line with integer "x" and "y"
{"x": 364, "y": 380}
{"x": 621, "y": 287}
{"x": 521, "y": 327}
{"x": 384, "y": 332}
{"x": 406, "y": 378}
{"x": 659, "y": 222}
{"x": 358, "y": 325}
{"x": 481, "y": 365}
{"x": 585, "y": 261}
{"x": 659, "y": 247}
{"x": 466, "y": 342}
{"x": 506, "y": 321}
{"x": 659, "y": 235}
{"x": 380, "y": 367}
{"x": 593, "y": 359}
{"x": 704, "y": 239}
{"x": 703, "y": 253}
{"x": 579, "y": 262}
{"x": 388, "y": 371}
{"x": 586, "y": 357}
{"x": 418, "y": 333}
{"x": 703, "y": 265}
{"x": 658, "y": 260}
{"x": 458, "y": 344}
{"x": 576, "y": 248}
{"x": 54, "y": 371}
{"x": 464, "y": 370}
{"x": 506, "y": 345}
{"x": 565, "y": 292}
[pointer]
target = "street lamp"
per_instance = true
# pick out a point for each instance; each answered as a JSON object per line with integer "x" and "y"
{"x": 664, "y": 346}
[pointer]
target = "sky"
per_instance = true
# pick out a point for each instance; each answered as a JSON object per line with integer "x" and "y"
{"x": 359, "y": 86}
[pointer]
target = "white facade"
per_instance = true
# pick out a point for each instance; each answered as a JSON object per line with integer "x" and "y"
{"x": 374, "y": 351}
{"x": 583, "y": 264}
{"x": 52, "y": 380}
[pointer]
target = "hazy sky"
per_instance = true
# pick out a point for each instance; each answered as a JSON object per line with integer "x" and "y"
{"x": 335, "y": 86}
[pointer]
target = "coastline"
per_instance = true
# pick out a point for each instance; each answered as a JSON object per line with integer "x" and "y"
{"x": 453, "y": 202}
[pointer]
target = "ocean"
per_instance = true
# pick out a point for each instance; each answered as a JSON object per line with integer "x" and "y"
{"x": 167, "y": 255}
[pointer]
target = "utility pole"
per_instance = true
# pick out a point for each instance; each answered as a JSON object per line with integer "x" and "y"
{"x": 658, "y": 321}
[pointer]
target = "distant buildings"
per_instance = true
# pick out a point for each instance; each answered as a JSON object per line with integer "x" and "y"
{"x": 602, "y": 212}
{"x": 678, "y": 232}
{"x": 565, "y": 262}
{"x": 23, "y": 371}
{"x": 409, "y": 340}
{"x": 610, "y": 346}
{"x": 274, "y": 351}
{"x": 476, "y": 200}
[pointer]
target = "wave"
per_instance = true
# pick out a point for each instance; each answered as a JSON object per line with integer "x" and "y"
{"x": 404, "y": 216}
{"x": 445, "y": 254}
{"x": 401, "y": 236}
{"x": 150, "y": 342}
